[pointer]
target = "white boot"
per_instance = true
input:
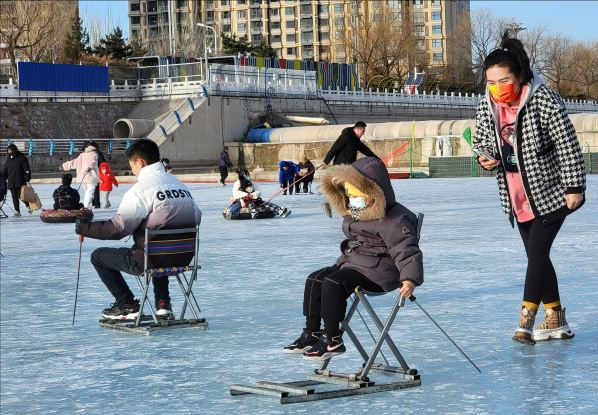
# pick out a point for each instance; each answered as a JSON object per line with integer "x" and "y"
{"x": 554, "y": 326}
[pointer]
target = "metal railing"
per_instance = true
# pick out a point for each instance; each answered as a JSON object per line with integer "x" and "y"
{"x": 179, "y": 115}
{"x": 54, "y": 146}
{"x": 249, "y": 80}
{"x": 185, "y": 79}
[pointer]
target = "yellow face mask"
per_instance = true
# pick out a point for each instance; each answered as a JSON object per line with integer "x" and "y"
{"x": 353, "y": 191}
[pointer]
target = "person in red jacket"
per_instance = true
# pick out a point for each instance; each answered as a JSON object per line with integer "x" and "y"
{"x": 106, "y": 181}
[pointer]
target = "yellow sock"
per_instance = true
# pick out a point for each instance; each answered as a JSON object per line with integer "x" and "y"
{"x": 555, "y": 304}
{"x": 530, "y": 305}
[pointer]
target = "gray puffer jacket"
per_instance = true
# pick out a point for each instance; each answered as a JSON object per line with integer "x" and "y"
{"x": 382, "y": 243}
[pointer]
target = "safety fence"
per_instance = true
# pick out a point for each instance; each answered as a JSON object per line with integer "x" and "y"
{"x": 464, "y": 166}
{"x": 58, "y": 146}
{"x": 249, "y": 80}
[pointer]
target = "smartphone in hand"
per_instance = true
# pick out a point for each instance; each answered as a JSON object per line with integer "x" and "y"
{"x": 484, "y": 153}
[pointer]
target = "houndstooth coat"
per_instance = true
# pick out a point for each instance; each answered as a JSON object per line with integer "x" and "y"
{"x": 547, "y": 150}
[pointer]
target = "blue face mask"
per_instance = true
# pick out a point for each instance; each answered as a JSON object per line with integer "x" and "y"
{"x": 247, "y": 178}
{"x": 357, "y": 202}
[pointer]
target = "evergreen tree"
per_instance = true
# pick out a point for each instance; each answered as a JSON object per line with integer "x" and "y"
{"x": 114, "y": 45}
{"x": 263, "y": 49}
{"x": 77, "y": 40}
{"x": 231, "y": 45}
{"x": 136, "y": 49}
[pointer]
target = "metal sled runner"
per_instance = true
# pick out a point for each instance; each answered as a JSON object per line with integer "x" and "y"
{"x": 160, "y": 246}
{"x": 353, "y": 383}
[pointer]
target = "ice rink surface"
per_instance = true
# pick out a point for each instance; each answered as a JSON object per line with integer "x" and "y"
{"x": 250, "y": 289}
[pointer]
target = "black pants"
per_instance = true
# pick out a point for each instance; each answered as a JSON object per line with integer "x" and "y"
{"x": 15, "y": 199}
{"x": 223, "y": 174}
{"x": 96, "y": 197}
{"x": 285, "y": 183}
{"x": 326, "y": 293}
{"x": 540, "y": 280}
{"x": 108, "y": 262}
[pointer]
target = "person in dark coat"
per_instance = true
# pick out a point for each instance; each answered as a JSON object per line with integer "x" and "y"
{"x": 345, "y": 148}
{"x": 65, "y": 197}
{"x": 286, "y": 175}
{"x": 17, "y": 172}
{"x": 305, "y": 175}
{"x": 224, "y": 164}
{"x": 380, "y": 253}
{"x": 101, "y": 159}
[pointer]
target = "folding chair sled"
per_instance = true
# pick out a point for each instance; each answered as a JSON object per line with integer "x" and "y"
{"x": 351, "y": 384}
{"x": 161, "y": 247}
{"x": 3, "y": 192}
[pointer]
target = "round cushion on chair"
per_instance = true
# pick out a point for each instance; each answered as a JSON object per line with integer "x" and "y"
{"x": 65, "y": 216}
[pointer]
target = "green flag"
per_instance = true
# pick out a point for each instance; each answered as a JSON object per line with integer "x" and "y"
{"x": 467, "y": 135}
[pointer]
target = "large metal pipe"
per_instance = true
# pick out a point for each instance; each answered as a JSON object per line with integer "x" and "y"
{"x": 132, "y": 128}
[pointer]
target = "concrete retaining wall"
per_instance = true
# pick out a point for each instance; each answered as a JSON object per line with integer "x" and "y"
{"x": 61, "y": 120}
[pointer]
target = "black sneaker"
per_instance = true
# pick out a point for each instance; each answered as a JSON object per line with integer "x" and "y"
{"x": 126, "y": 312}
{"x": 163, "y": 309}
{"x": 304, "y": 342}
{"x": 325, "y": 348}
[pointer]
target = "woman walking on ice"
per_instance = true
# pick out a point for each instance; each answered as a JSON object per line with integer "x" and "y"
{"x": 526, "y": 135}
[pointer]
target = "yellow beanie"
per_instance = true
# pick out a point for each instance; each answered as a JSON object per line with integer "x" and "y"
{"x": 353, "y": 191}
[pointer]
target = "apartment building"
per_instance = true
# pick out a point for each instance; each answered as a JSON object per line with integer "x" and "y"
{"x": 303, "y": 29}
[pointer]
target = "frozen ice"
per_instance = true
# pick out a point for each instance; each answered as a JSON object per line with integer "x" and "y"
{"x": 250, "y": 290}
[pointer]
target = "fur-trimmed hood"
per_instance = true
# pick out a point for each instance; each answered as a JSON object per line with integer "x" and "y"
{"x": 370, "y": 176}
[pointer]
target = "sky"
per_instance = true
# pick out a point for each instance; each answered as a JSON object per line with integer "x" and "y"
{"x": 576, "y": 19}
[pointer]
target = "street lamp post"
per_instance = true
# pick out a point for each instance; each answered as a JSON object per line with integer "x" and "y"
{"x": 205, "y": 48}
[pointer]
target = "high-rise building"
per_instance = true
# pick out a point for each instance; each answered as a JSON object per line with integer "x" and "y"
{"x": 326, "y": 30}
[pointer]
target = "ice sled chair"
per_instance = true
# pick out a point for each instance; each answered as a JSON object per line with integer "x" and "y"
{"x": 353, "y": 383}
{"x": 168, "y": 253}
{"x": 3, "y": 191}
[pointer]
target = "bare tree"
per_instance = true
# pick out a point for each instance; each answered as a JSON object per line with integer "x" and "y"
{"x": 535, "y": 41}
{"x": 382, "y": 44}
{"x": 557, "y": 63}
{"x": 32, "y": 29}
{"x": 484, "y": 33}
{"x": 585, "y": 64}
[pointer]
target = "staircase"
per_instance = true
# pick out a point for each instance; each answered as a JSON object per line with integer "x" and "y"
{"x": 180, "y": 114}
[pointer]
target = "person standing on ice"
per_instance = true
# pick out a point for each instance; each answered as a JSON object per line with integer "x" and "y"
{"x": 345, "y": 148}
{"x": 17, "y": 173}
{"x": 286, "y": 175}
{"x": 540, "y": 172}
{"x": 157, "y": 201}
{"x": 380, "y": 253}
{"x": 86, "y": 165}
{"x": 224, "y": 164}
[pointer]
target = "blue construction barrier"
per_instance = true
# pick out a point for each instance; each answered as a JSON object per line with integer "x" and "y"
{"x": 36, "y": 76}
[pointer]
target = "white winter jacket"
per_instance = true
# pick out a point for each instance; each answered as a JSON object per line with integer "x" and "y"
{"x": 157, "y": 201}
{"x": 239, "y": 193}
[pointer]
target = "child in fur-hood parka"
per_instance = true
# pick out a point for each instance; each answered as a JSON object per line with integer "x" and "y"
{"x": 380, "y": 253}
